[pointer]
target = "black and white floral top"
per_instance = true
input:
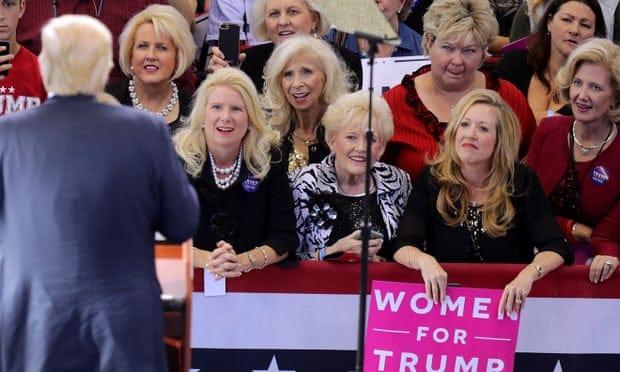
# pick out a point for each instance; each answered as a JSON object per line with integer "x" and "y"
{"x": 318, "y": 203}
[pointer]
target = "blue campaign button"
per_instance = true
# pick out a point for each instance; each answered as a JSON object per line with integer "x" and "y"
{"x": 599, "y": 175}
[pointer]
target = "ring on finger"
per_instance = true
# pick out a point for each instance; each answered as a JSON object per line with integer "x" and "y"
{"x": 518, "y": 301}
{"x": 608, "y": 263}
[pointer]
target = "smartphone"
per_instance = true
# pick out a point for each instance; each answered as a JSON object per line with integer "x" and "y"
{"x": 229, "y": 42}
{"x": 4, "y": 53}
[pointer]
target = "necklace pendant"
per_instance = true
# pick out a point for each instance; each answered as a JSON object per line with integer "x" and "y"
{"x": 584, "y": 151}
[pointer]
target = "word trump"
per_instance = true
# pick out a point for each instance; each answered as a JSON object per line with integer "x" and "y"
{"x": 463, "y": 333}
{"x": 409, "y": 363}
{"x": 420, "y": 304}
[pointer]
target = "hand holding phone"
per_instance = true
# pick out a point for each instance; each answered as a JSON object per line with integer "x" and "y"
{"x": 229, "y": 42}
{"x": 4, "y": 52}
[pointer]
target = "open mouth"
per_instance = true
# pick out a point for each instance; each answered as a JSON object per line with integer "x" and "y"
{"x": 573, "y": 43}
{"x": 224, "y": 129}
{"x": 151, "y": 68}
{"x": 583, "y": 106}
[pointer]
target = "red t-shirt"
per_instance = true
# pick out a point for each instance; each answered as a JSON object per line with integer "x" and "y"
{"x": 23, "y": 87}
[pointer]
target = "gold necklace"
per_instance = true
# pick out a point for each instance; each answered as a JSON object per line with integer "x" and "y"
{"x": 307, "y": 141}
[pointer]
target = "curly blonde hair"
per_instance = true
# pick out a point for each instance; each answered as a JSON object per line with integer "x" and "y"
{"x": 453, "y": 199}
{"x": 191, "y": 143}
{"x": 336, "y": 78}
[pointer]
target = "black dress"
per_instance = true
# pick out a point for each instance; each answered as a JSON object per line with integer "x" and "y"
{"x": 120, "y": 90}
{"x": 246, "y": 217}
{"x": 534, "y": 225}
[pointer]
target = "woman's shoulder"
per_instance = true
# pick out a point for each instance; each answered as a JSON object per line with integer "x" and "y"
{"x": 185, "y": 102}
{"x": 306, "y": 179}
{"x": 313, "y": 175}
{"x": 391, "y": 171}
{"x": 259, "y": 50}
{"x": 524, "y": 178}
{"x": 556, "y": 125}
{"x": 119, "y": 89}
{"x": 407, "y": 91}
{"x": 515, "y": 58}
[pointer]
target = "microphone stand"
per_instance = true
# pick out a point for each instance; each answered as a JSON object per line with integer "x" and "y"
{"x": 361, "y": 334}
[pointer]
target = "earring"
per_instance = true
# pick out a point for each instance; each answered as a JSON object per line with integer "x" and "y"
{"x": 314, "y": 34}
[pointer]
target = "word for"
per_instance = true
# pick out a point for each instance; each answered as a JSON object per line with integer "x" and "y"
{"x": 420, "y": 304}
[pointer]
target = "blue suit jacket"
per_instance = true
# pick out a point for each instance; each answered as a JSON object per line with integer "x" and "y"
{"x": 83, "y": 188}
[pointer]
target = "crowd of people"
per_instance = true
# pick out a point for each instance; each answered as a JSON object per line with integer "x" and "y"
{"x": 266, "y": 163}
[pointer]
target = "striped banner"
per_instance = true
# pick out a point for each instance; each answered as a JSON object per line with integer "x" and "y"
{"x": 305, "y": 319}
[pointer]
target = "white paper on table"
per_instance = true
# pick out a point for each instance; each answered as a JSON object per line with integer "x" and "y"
{"x": 213, "y": 287}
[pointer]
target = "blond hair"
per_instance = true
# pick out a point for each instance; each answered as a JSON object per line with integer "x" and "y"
{"x": 336, "y": 77}
{"x": 352, "y": 109}
{"x": 453, "y": 198}
{"x": 76, "y": 55}
{"x": 167, "y": 22}
{"x": 191, "y": 143}
{"x": 597, "y": 51}
{"x": 467, "y": 18}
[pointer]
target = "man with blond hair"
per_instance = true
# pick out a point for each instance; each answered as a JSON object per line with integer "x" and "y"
{"x": 85, "y": 186}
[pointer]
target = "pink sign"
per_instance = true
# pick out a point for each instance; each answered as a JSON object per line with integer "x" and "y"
{"x": 406, "y": 332}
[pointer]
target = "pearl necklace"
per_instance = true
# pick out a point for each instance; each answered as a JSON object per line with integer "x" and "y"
{"x": 135, "y": 101}
{"x": 585, "y": 150}
{"x": 231, "y": 173}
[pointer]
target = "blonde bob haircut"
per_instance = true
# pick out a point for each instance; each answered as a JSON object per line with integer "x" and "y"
{"x": 466, "y": 18}
{"x": 336, "y": 77}
{"x": 167, "y": 22}
{"x": 259, "y": 15}
{"x": 453, "y": 198}
{"x": 351, "y": 111}
{"x": 596, "y": 51}
{"x": 191, "y": 143}
{"x": 76, "y": 55}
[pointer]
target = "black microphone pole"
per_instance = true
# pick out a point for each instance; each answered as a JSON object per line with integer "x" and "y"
{"x": 361, "y": 330}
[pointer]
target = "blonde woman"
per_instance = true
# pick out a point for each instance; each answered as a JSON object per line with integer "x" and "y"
{"x": 576, "y": 157}
{"x": 156, "y": 48}
{"x": 302, "y": 77}
{"x": 476, "y": 203}
{"x": 247, "y": 220}
{"x": 85, "y": 186}
{"x": 339, "y": 182}
{"x": 276, "y": 21}
{"x": 456, "y": 38}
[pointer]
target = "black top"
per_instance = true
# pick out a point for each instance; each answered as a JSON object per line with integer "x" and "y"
{"x": 534, "y": 225}
{"x": 513, "y": 67}
{"x": 257, "y": 56}
{"x": 246, "y": 217}
{"x": 316, "y": 151}
{"x": 120, "y": 90}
